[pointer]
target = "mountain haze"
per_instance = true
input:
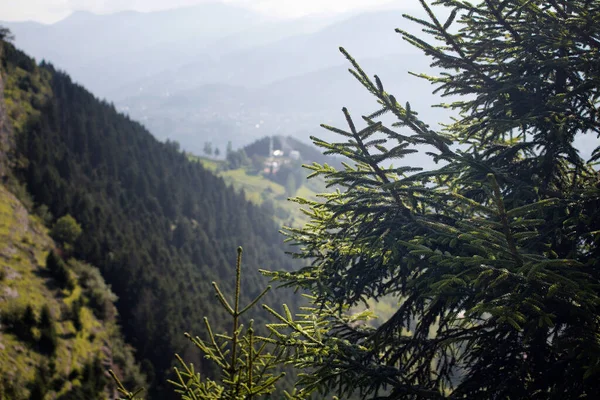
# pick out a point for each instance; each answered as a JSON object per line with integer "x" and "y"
{"x": 106, "y": 51}
{"x": 193, "y": 83}
{"x": 366, "y": 35}
{"x": 292, "y": 106}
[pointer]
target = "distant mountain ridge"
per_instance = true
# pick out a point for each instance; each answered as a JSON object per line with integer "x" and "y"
{"x": 368, "y": 35}
{"x": 294, "y": 106}
{"x": 192, "y": 83}
{"x": 104, "y": 51}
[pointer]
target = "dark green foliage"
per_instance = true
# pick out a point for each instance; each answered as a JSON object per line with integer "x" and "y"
{"x": 41, "y": 383}
{"x": 133, "y": 374}
{"x": 93, "y": 375}
{"x": 250, "y": 365}
{"x": 58, "y": 269}
{"x": 156, "y": 225}
{"x": 208, "y": 150}
{"x": 28, "y": 321}
{"x": 237, "y": 159}
{"x": 44, "y": 213}
{"x": 290, "y": 185}
{"x": 8, "y": 390}
{"x": 93, "y": 383}
{"x": 66, "y": 230}
{"x": 76, "y": 313}
{"x": 45, "y": 317}
{"x": 6, "y": 34}
{"x": 494, "y": 256}
{"x": 20, "y": 322}
{"x": 173, "y": 145}
{"x": 290, "y": 176}
{"x": 48, "y": 335}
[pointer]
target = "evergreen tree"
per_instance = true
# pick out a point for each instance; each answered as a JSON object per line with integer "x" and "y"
{"x": 40, "y": 385}
{"x": 249, "y": 364}
{"x": 58, "y": 269}
{"x": 6, "y": 34}
{"x": 493, "y": 256}
{"x": 48, "y": 335}
{"x": 29, "y": 322}
{"x": 20, "y": 322}
{"x": 237, "y": 159}
{"x": 208, "y": 150}
{"x": 246, "y": 360}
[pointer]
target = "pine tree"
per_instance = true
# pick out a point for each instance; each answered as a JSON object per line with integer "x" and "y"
{"x": 247, "y": 361}
{"x": 249, "y": 364}
{"x": 48, "y": 334}
{"x": 58, "y": 269}
{"x": 6, "y": 35}
{"x": 208, "y": 150}
{"x": 39, "y": 387}
{"x": 493, "y": 256}
{"x": 29, "y": 321}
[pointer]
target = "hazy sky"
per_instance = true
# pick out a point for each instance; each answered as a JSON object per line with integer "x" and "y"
{"x": 49, "y": 11}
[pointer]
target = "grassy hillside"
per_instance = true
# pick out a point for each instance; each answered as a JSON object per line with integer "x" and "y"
{"x": 29, "y": 366}
{"x": 271, "y": 189}
{"x": 259, "y": 189}
{"x": 262, "y": 191}
{"x": 57, "y": 336}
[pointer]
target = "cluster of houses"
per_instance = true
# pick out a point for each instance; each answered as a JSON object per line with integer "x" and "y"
{"x": 277, "y": 158}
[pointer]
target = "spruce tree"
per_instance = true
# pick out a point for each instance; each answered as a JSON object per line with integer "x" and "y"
{"x": 493, "y": 256}
{"x": 48, "y": 333}
{"x": 39, "y": 387}
{"x": 249, "y": 364}
{"x": 6, "y": 35}
{"x": 247, "y": 361}
{"x": 29, "y": 321}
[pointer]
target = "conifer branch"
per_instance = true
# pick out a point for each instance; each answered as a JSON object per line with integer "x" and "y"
{"x": 121, "y": 389}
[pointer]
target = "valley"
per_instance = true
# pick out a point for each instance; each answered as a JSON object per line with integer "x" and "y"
{"x": 429, "y": 232}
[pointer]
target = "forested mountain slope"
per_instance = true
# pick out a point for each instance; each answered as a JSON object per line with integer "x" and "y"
{"x": 159, "y": 227}
{"x": 59, "y": 332}
{"x": 58, "y": 323}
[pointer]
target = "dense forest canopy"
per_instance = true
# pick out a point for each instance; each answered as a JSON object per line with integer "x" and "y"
{"x": 159, "y": 227}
